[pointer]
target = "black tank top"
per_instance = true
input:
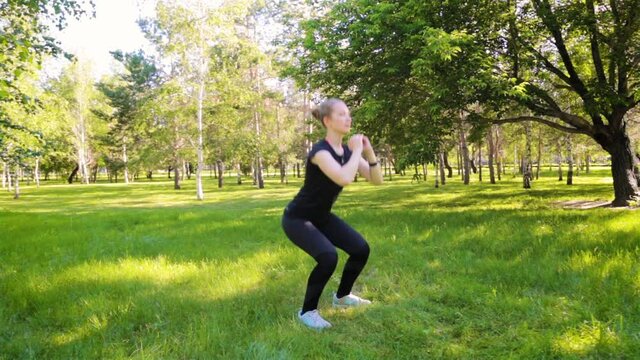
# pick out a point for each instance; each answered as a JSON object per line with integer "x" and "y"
{"x": 319, "y": 192}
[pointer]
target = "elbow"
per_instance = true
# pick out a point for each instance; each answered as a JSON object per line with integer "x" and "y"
{"x": 345, "y": 181}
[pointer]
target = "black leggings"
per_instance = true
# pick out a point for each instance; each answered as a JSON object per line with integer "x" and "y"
{"x": 320, "y": 241}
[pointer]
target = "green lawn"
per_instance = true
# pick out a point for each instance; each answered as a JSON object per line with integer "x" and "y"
{"x": 483, "y": 271}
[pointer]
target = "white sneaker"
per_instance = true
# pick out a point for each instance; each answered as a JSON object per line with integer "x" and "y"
{"x": 313, "y": 319}
{"x": 349, "y": 301}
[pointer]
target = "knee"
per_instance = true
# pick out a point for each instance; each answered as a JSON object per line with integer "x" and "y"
{"x": 363, "y": 251}
{"x": 328, "y": 261}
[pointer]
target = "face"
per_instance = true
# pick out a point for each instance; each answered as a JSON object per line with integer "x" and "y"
{"x": 340, "y": 119}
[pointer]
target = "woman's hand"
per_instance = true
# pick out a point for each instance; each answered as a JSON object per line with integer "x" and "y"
{"x": 367, "y": 149}
{"x": 356, "y": 142}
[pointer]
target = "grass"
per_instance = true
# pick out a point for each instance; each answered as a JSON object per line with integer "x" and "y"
{"x": 479, "y": 271}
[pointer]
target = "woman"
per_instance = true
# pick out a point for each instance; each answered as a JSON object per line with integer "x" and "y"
{"x": 308, "y": 221}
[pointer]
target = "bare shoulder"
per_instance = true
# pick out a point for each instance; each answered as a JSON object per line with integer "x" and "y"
{"x": 322, "y": 155}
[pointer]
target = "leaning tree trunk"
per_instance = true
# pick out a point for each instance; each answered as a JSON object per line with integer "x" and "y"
{"x": 472, "y": 160}
{"x": 445, "y": 159}
{"x": 526, "y": 166}
{"x": 570, "y": 160}
{"x": 492, "y": 150}
{"x": 73, "y": 174}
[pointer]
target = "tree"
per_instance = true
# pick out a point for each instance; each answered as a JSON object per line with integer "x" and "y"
{"x": 125, "y": 94}
{"x": 523, "y": 61}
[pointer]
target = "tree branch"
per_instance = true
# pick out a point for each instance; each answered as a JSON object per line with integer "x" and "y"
{"x": 543, "y": 10}
{"x": 549, "y": 65}
{"x": 593, "y": 39}
{"x": 542, "y": 121}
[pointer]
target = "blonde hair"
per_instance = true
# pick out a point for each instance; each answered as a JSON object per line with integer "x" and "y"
{"x": 324, "y": 109}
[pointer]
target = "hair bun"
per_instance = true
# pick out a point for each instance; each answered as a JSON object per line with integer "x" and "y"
{"x": 316, "y": 113}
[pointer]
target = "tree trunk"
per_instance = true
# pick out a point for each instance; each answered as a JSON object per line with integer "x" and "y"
{"x": 254, "y": 172}
{"x": 82, "y": 150}
{"x": 480, "y": 161}
{"x": 200, "y": 149}
{"x": 36, "y": 172}
{"x": 459, "y": 159}
{"x": 443, "y": 180}
{"x": 446, "y": 164}
{"x": 587, "y": 162}
{"x": 539, "y": 152}
{"x": 220, "y": 167}
{"x": 437, "y": 165}
{"x": 124, "y": 160}
{"x": 472, "y": 160}
{"x": 73, "y": 174}
{"x": 526, "y": 166}
{"x": 176, "y": 175}
{"x": 283, "y": 170}
{"x": 95, "y": 174}
{"x": 492, "y": 150}
{"x": 4, "y": 175}
{"x": 465, "y": 156}
{"x": 569, "y": 160}
{"x": 625, "y": 183}
{"x": 498, "y": 150}
{"x": 515, "y": 160}
{"x": 424, "y": 171}
{"x": 16, "y": 184}
{"x": 297, "y": 169}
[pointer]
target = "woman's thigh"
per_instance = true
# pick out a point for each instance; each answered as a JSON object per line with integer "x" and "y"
{"x": 306, "y": 235}
{"x": 342, "y": 235}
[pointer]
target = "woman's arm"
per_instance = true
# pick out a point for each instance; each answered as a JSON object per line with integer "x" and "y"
{"x": 341, "y": 175}
{"x": 373, "y": 174}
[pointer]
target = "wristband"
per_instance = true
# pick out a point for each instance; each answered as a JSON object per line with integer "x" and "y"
{"x": 373, "y": 164}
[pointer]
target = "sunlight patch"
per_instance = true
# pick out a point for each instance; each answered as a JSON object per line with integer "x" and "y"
{"x": 584, "y": 339}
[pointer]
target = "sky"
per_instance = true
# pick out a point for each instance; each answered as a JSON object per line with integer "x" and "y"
{"x": 113, "y": 28}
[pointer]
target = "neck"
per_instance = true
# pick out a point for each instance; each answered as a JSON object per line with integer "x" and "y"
{"x": 334, "y": 138}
